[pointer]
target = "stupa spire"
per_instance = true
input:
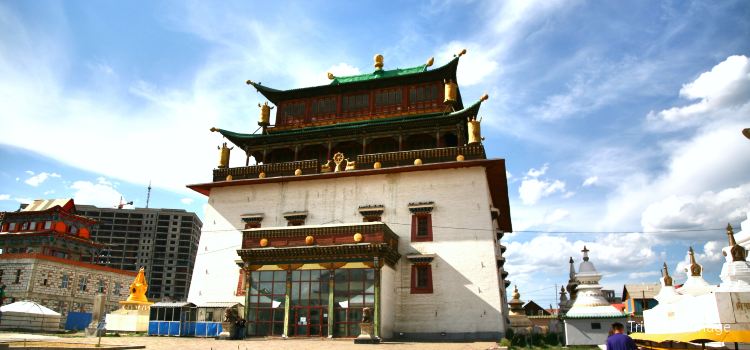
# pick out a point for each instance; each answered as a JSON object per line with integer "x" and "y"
{"x": 585, "y": 253}
{"x": 739, "y": 253}
{"x": 695, "y": 268}
{"x": 665, "y": 276}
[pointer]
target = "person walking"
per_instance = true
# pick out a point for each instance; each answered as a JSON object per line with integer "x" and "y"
{"x": 619, "y": 340}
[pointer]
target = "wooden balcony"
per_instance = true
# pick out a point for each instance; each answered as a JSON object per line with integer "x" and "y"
{"x": 365, "y": 161}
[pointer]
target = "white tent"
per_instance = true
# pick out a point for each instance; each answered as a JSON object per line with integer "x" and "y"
{"x": 29, "y": 315}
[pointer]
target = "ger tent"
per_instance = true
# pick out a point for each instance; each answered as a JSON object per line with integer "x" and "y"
{"x": 29, "y": 315}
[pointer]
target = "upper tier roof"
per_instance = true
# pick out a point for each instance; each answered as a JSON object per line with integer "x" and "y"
{"x": 377, "y": 79}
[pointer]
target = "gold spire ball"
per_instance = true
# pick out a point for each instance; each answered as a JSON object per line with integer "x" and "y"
{"x": 378, "y": 61}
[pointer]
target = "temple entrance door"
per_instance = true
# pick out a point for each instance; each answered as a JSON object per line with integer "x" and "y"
{"x": 310, "y": 321}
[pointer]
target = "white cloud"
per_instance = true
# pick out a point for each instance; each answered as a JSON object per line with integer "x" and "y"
{"x": 536, "y": 173}
{"x": 38, "y": 179}
{"x": 590, "y": 181}
{"x": 4, "y": 197}
{"x": 644, "y": 275}
{"x": 556, "y": 215}
{"x": 476, "y": 65}
{"x": 23, "y": 200}
{"x": 532, "y": 190}
{"x": 343, "y": 69}
{"x": 100, "y": 194}
{"x": 187, "y": 201}
{"x": 708, "y": 209}
{"x": 46, "y": 193}
{"x": 610, "y": 253}
{"x": 508, "y": 175}
{"x": 725, "y": 86}
{"x": 29, "y": 172}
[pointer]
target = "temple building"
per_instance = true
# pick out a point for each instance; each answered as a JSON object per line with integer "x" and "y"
{"x": 48, "y": 257}
{"x": 373, "y": 191}
{"x": 590, "y": 316}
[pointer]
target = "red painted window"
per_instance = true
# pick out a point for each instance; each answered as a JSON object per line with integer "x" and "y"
{"x": 253, "y": 224}
{"x": 421, "y": 279}
{"x": 421, "y": 227}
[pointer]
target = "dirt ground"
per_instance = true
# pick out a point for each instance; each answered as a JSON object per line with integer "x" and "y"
{"x": 170, "y": 343}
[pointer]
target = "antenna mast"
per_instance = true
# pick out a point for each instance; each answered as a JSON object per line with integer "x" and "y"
{"x": 148, "y": 194}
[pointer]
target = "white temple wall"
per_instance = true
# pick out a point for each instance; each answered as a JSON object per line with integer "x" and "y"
{"x": 717, "y": 310}
{"x": 466, "y": 296}
{"x": 388, "y": 301}
{"x": 584, "y": 331}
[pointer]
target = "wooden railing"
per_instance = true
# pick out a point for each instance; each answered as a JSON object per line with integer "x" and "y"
{"x": 270, "y": 170}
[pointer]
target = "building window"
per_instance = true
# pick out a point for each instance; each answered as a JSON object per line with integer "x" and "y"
{"x": 46, "y": 279}
{"x": 18, "y": 276}
{"x": 32, "y": 226}
{"x": 82, "y": 284}
{"x": 48, "y": 225}
{"x": 117, "y": 288}
{"x": 371, "y": 213}
{"x": 295, "y": 218}
{"x": 425, "y": 93}
{"x": 421, "y": 279}
{"x": 293, "y": 112}
{"x": 1, "y": 276}
{"x": 323, "y": 108}
{"x": 354, "y": 103}
{"x": 73, "y": 229}
{"x": 421, "y": 227}
{"x": 24, "y": 226}
{"x": 64, "y": 281}
{"x": 100, "y": 287}
{"x": 388, "y": 98}
{"x": 596, "y": 325}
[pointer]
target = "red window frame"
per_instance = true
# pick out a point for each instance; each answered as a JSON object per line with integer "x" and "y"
{"x": 426, "y": 219}
{"x": 252, "y": 224}
{"x": 426, "y": 286}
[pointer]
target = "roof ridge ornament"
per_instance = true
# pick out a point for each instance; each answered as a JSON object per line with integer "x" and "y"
{"x": 460, "y": 53}
{"x": 695, "y": 269}
{"x": 331, "y": 76}
{"x": 739, "y": 253}
{"x": 378, "y": 62}
{"x": 430, "y": 62}
{"x": 585, "y": 253}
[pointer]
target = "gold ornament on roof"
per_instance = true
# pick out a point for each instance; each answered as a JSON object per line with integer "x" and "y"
{"x": 330, "y": 76}
{"x": 461, "y": 53}
{"x": 138, "y": 288}
{"x": 430, "y": 62}
{"x": 378, "y": 61}
{"x": 338, "y": 159}
{"x": 224, "y": 155}
{"x": 265, "y": 114}
{"x": 739, "y": 253}
{"x": 451, "y": 92}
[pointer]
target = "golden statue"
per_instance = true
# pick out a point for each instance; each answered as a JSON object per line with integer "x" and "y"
{"x": 224, "y": 155}
{"x": 265, "y": 114}
{"x": 138, "y": 288}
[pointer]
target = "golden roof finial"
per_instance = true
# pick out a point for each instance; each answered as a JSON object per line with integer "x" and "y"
{"x": 667, "y": 278}
{"x": 430, "y": 62}
{"x": 214, "y": 129}
{"x": 516, "y": 294}
{"x": 484, "y": 97}
{"x": 585, "y": 253}
{"x": 378, "y": 61}
{"x": 331, "y": 76}
{"x": 248, "y": 82}
{"x": 695, "y": 269}
{"x": 461, "y": 53}
{"x": 739, "y": 253}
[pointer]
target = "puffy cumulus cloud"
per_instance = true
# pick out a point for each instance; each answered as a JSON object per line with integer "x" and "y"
{"x": 725, "y": 87}
{"x": 4, "y": 197}
{"x": 590, "y": 181}
{"x": 100, "y": 193}
{"x": 187, "y": 201}
{"x": 708, "y": 209}
{"x": 548, "y": 254}
{"x": 538, "y": 172}
{"x": 38, "y": 179}
{"x": 532, "y": 190}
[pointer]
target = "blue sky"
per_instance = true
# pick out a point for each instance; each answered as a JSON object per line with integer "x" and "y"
{"x": 619, "y": 118}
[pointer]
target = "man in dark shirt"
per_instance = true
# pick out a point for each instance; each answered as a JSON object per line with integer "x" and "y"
{"x": 619, "y": 340}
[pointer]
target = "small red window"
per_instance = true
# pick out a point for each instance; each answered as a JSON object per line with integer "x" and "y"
{"x": 421, "y": 279}
{"x": 252, "y": 224}
{"x": 421, "y": 228}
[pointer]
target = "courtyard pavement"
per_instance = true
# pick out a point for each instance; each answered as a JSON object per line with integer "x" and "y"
{"x": 172, "y": 343}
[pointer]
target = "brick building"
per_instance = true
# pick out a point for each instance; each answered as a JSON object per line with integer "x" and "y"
{"x": 48, "y": 257}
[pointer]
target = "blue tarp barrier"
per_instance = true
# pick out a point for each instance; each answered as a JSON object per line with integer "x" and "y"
{"x": 77, "y": 321}
{"x": 153, "y": 328}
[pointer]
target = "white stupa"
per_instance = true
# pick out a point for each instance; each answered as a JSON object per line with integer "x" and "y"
{"x": 667, "y": 293}
{"x": 695, "y": 285}
{"x": 735, "y": 273}
{"x": 588, "y": 320}
{"x": 590, "y": 301}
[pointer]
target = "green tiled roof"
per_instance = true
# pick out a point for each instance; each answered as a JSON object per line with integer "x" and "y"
{"x": 379, "y": 74}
